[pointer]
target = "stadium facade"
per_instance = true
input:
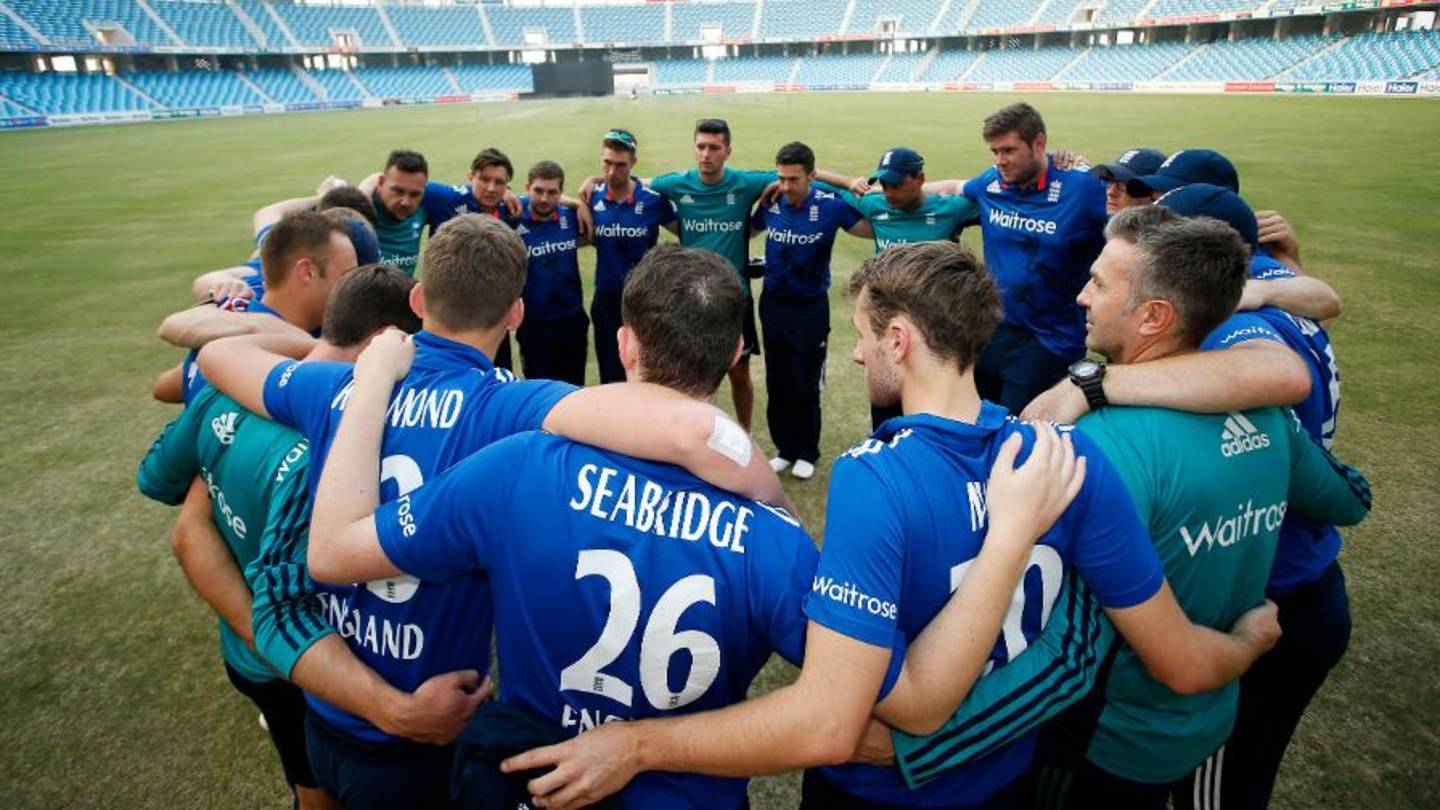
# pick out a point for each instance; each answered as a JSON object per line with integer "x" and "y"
{"x": 67, "y": 62}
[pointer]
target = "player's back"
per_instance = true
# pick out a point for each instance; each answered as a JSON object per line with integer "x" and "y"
{"x": 623, "y": 589}
{"x": 452, "y": 403}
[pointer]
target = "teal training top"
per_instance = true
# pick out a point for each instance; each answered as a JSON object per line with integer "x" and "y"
{"x": 1214, "y": 489}
{"x": 939, "y": 218}
{"x": 714, "y": 216}
{"x": 399, "y": 238}
{"x": 248, "y": 463}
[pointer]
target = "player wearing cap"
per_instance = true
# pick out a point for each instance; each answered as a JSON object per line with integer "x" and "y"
{"x": 1042, "y": 228}
{"x": 1215, "y": 507}
{"x": 452, "y": 403}
{"x": 800, "y": 228}
{"x": 627, "y": 220}
{"x": 1141, "y": 160}
{"x": 553, "y": 336}
{"x": 1182, "y": 169}
{"x": 901, "y": 211}
{"x": 713, "y": 204}
{"x": 1306, "y": 580}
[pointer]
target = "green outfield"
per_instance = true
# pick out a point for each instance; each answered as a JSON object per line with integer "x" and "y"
{"x": 111, "y": 689}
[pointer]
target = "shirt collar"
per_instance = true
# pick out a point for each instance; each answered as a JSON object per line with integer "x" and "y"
{"x": 991, "y": 418}
{"x": 809, "y": 198}
{"x": 1039, "y": 181}
{"x": 445, "y": 351}
{"x": 527, "y": 214}
{"x": 629, "y": 199}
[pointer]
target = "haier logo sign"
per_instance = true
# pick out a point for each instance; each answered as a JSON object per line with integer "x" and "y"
{"x": 1402, "y": 88}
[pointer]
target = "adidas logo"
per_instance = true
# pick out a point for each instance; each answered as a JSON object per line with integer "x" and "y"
{"x": 224, "y": 427}
{"x": 883, "y": 216}
{"x": 687, "y": 199}
{"x": 600, "y": 206}
{"x": 1241, "y": 436}
{"x": 993, "y": 188}
{"x": 521, "y": 229}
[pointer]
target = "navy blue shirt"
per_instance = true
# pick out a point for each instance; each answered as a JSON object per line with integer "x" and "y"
{"x": 1307, "y": 548}
{"x": 1039, "y": 244}
{"x": 443, "y": 203}
{"x": 623, "y": 589}
{"x": 552, "y": 282}
{"x": 799, "y": 241}
{"x": 452, "y": 403}
{"x": 905, "y": 518}
{"x": 624, "y": 230}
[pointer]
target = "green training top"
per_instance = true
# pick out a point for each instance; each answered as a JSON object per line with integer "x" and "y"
{"x": 399, "y": 238}
{"x": 936, "y": 220}
{"x": 1213, "y": 488}
{"x": 714, "y": 217}
{"x": 249, "y": 463}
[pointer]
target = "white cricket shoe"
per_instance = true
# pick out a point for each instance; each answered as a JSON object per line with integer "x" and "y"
{"x": 804, "y": 470}
{"x": 779, "y": 465}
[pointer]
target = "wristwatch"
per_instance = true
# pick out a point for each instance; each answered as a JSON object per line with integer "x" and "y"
{"x": 1089, "y": 377}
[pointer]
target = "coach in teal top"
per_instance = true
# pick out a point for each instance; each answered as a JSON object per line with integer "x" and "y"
{"x": 713, "y": 204}
{"x": 399, "y": 218}
{"x": 902, "y": 211}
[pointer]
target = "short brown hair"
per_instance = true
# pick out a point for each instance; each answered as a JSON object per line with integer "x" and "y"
{"x": 490, "y": 156}
{"x": 1020, "y": 118}
{"x": 942, "y": 287}
{"x": 1198, "y": 264}
{"x": 299, "y": 235}
{"x": 546, "y": 170}
{"x": 366, "y": 300}
{"x": 474, "y": 271}
{"x": 686, "y": 308}
{"x": 348, "y": 197}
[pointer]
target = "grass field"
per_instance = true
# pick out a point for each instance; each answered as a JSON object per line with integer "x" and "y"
{"x": 111, "y": 690}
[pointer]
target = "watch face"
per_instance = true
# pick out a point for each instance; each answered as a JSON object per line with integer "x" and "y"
{"x": 1085, "y": 369}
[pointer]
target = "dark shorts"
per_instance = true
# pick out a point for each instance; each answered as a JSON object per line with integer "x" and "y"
{"x": 283, "y": 705}
{"x": 397, "y": 776}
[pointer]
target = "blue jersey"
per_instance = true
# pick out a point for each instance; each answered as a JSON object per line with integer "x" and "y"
{"x": 799, "y": 241}
{"x": 254, "y": 277}
{"x": 1039, "y": 245}
{"x": 623, "y": 589}
{"x": 624, "y": 230}
{"x": 552, "y": 280}
{"x": 443, "y": 203}
{"x": 905, "y": 519}
{"x": 1307, "y": 548}
{"x": 192, "y": 381}
{"x": 452, "y": 403}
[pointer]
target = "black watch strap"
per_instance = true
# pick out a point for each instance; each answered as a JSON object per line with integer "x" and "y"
{"x": 1091, "y": 384}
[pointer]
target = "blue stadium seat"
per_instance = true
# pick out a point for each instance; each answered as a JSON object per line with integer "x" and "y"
{"x": 900, "y": 67}
{"x": 1247, "y": 59}
{"x": 754, "y": 69}
{"x": 501, "y": 78}
{"x": 672, "y": 72}
{"x": 1021, "y": 65}
{"x": 411, "y": 81}
{"x": 914, "y": 16}
{"x": 1119, "y": 11}
{"x": 63, "y": 21}
{"x": 337, "y": 84}
{"x": 834, "y": 70}
{"x": 789, "y": 20}
{"x": 1125, "y": 63}
{"x": 59, "y": 93}
{"x": 509, "y": 24}
{"x": 312, "y": 25}
{"x": 275, "y": 39}
{"x": 1002, "y": 14}
{"x": 431, "y": 27}
{"x": 948, "y": 66}
{"x": 283, "y": 86}
{"x": 208, "y": 24}
{"x": 623, "y": 23}
{"x": 194, "y": 88}
{"x": 1398, "y": 55}
{"x": 688, "y": 19}
{"x": 13, "y": 37}
{"x": 1191, "y": 8}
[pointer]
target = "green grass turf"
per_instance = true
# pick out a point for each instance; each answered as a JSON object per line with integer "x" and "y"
{"x": 111, "y": 690}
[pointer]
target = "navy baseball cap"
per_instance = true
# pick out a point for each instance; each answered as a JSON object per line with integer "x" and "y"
{"x": 362, "y": 236}
{"x": 1205, "y": 200}
{"x": 1135, "y": 162}
{"x": 898, "y": 165}
{"x": 1184, "y": 168}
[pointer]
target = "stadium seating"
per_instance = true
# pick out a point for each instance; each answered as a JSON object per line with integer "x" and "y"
{"x": 433, "y": 27}
{"x": 1002, "y": 14}
{"x": 208, "y": 24}
{"x": 1246, "y": 59}
{"x": 501, "y": 78}
{"x": 915, "y": 16}
{"x": 312, "y": 24}
{"x": 1374, "y": 56}
{"x": 1117, "y": 11}
{"x": 274, "y": 37}
{"x": 337, "y": 85}
{"x": 1192, "y": 8}
{"x": 194, "y": 88}
{"x": 672, "y": 72}
{"x": 63, "y": 21}
{"x": 509, "y": 24}
{"x": 13, "y": 37}
{"x": 59, "y": 93}
{"x": 9, "y": 110}
{"x": 412, "y": 81}
{"x": 831, "y": 71}
{"x": 790, "y": 20}
{"x": 1021, "y": 64}
{"x": 1060, "y": 12}
{"x": 688, "y": 19}
{"x": 623, "y": 23}
{"x": 948, "y": 66}
{"x": 754, "y": 69}
{"x": 283, "y": 86}
{"x": 1124, "y": 63}
{"x": 900, "y": 67}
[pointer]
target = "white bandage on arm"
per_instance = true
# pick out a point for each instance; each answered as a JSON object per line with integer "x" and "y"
{"x": 730, "y": 440}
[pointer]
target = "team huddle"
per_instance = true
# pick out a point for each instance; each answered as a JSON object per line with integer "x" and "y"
{"x": 1088, "y": 556}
